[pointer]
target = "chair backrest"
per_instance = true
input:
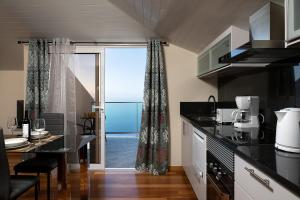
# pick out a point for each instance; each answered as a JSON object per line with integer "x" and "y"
{"x": 54, "y": 122}
{"x": 4, "y": 170}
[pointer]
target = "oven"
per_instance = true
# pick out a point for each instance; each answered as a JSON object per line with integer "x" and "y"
{"x": 220, "y": 171}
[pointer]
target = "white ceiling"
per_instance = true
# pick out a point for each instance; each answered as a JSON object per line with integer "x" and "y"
{"x": 191, "y": 24}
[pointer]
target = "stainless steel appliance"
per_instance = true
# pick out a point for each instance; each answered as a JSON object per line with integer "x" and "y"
{"x": 288, "y": 165}
{"x": 292, "y": 23}
{"x": 220, "y": 171}
{"x": 224, "y": 115}
{"x": 267, "y": 39}
{"x": 246, "y": 116}
{"x": 287, "y": 130}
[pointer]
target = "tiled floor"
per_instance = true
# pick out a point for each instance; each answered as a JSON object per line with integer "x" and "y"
{"x": 121, "y": 150}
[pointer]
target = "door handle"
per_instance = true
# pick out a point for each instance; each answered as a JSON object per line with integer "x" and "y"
{"x": 94, "y": 107}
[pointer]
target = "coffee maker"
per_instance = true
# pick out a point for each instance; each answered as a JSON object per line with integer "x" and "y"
{"x": 246, "y": 116}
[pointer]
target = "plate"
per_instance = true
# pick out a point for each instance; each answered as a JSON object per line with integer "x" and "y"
{"x": 13, "y": 142}
{"x": 18, "y": 146}
{"x": 36, "y": 136}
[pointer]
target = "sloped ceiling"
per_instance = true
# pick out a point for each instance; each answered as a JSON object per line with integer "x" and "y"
{"x": 191, "y": 24}
{"x": 79, "y": 20}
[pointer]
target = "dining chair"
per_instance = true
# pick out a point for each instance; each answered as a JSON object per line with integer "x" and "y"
{"x": 13, "y": 186}
{"x": 44, "y": 162}
{"x": 54, "y": 122}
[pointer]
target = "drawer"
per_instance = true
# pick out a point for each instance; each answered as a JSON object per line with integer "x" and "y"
{"x": 257, "y": 184}
{"x": 240, "y": 193}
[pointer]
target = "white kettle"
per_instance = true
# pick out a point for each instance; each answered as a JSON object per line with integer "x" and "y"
{"x": 288, "y": 130}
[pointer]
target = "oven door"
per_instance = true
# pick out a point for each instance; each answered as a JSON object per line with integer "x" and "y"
{"x": 215, "y": 190}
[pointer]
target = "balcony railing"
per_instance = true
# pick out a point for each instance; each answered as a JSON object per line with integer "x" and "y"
{"x": 123, "y": 117}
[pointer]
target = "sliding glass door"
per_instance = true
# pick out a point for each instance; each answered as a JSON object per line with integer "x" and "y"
{"x": 124, "y": 87}
{"x": 89, "y": 100}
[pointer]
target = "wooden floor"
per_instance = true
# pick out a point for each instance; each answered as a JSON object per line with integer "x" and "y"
{"x": 119, "y": 185}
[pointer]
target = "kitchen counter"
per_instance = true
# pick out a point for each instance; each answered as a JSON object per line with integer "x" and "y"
{"x": 283, "y": 167}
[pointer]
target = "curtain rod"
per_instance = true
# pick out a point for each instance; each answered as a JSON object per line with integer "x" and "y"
{"x": 105, "y": 43}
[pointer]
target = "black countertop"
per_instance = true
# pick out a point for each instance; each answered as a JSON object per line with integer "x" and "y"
{"x": 283, "y": 167}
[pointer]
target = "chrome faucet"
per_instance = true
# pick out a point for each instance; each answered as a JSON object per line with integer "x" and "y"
{"x": 214, "y": 101}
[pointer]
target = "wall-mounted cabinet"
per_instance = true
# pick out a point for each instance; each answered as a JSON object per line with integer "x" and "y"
{"x": 292, "y": 22}
{"x": 220, "y": 49}
{"x": 208, "y": 60}
{"x": 204, "y": 62}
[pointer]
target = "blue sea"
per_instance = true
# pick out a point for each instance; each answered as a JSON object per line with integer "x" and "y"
{"x": 123, "y": 117}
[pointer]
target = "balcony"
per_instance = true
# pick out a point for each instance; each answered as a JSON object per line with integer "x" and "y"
{"x": 122, "y": 125}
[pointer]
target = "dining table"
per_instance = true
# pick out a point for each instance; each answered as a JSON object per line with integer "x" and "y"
{"x": 54, "y": 144}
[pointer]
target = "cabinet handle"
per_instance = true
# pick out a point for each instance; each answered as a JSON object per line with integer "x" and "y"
{"x": 264, "y": 182}
{"x": 199, "y": 176}
{"x": 202, "y": 140}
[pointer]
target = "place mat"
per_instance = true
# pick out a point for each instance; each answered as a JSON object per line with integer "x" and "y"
{"x": 35, "y": 144}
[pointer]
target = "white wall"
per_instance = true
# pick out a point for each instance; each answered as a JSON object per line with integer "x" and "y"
{"x": 11, "y": 90}
{"x": 183, "y": 85}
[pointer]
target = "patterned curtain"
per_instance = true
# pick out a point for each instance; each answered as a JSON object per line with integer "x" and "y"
{"x": 153, "y": 148}
{"x": 37, "y": 77}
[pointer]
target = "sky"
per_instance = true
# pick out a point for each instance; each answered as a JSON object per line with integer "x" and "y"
{"x": 124, "y": 74}
{"x": 85, "y": 71}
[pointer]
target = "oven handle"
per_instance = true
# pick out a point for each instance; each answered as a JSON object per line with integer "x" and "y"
{"x": 215, "y": 186}
{"x": 264, "y": 182}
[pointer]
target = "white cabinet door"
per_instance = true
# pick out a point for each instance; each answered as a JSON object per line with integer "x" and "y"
{"x": 240, "y": 193}
{"x": 199, "y": 163}
{"x": 199, "y": 152}
{"x": 187, "y": 134}
{"x": 194, "y": 158}
{"x": 257, "y": 184}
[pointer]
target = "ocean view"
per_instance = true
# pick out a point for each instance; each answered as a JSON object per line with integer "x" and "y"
{"x": 123, "y": 117}
{"x": 124, "y": 86}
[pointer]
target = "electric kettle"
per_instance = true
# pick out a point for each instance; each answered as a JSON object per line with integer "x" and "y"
{"x": 288, "y": 130}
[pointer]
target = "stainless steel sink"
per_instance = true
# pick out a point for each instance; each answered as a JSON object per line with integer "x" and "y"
{"x": 205, "y": 121}
{"x": 205, "y": 118}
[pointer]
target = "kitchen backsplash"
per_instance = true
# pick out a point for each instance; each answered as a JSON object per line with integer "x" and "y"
{"x": 203, "y": 108}
{"x": 277, "y": 87}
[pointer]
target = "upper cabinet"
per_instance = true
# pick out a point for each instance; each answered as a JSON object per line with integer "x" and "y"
{"x": 208, "y": 60}
{"x": 292, "y": 22}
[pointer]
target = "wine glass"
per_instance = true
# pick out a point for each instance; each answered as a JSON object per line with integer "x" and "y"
{"x": 12, "y": 124}
{"x": 39, "y": 126}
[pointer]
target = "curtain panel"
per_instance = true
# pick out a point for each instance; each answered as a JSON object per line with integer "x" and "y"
{"x": 153, "y": 147}
{"x": 37, "y": 77}
{"x": 62, "y": 91}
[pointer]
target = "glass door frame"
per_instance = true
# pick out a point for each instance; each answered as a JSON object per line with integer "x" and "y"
{"x": 101, "y": 126}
